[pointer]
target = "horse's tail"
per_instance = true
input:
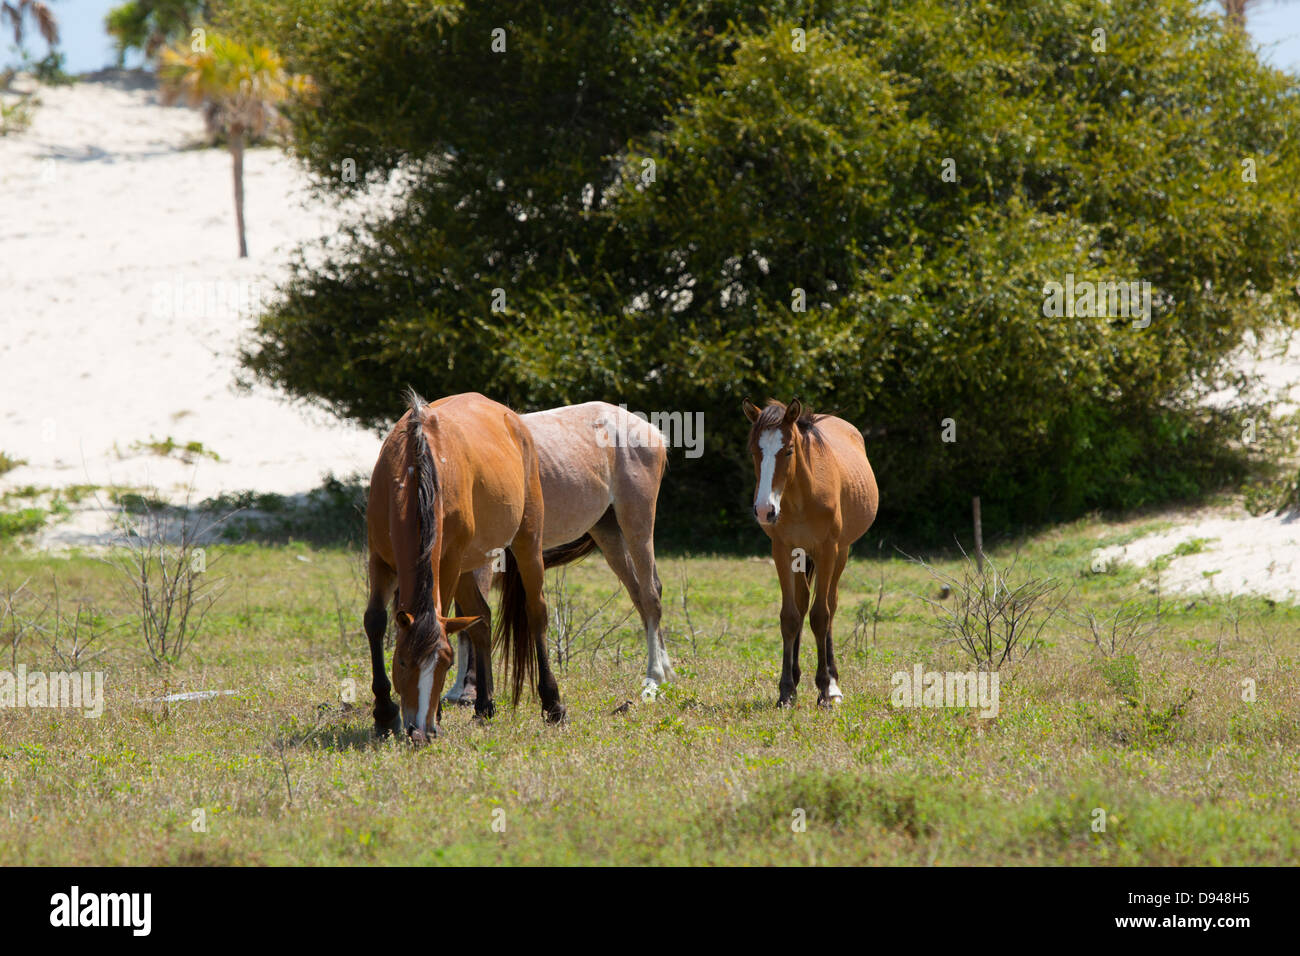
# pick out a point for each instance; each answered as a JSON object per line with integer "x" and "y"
{"x": 423, "y": 629}
{"x": 568, "y": 553}
{"x": 512, "y": 636}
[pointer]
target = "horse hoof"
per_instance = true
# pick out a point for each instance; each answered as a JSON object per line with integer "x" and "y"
{"x": 649, "y": 689}
{"x": 831, "y": 696}
{"x": 419, "y": 737}
{"x": 486, "y": 712}
{"x": 786, "y": 702}
{"x": 556, "y": 714}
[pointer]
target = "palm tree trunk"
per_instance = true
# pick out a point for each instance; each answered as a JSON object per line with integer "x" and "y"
{"x": 1235, "y": 11}
{"x": 237, "y": 154}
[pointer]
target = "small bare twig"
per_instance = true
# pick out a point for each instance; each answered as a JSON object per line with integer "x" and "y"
{"x": 23, "y": 621}
{"x": 164, "y": 570}
{"x": 280, "y": 746}
{"x": 993, "y": 620}
{"x": 686, "y": 610}
{"x": 1123, "y": 633}
{"x": 574, "y": 626}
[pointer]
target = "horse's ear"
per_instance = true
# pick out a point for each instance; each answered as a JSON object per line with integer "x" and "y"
{"x": 450, "y": 625}
{"x": 793, "y": 411}
{"x": 751, "y": 411}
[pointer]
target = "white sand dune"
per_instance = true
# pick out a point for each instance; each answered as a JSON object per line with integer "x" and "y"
{"x": 1222, "y": 553}
{"x": 122, "y": 302}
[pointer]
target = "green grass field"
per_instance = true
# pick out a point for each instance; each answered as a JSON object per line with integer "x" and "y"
{"x": 286, "y": 770}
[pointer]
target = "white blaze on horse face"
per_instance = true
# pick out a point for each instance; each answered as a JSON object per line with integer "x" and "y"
{"x": 769, "y": 443}
{"x": 425, "y": 694}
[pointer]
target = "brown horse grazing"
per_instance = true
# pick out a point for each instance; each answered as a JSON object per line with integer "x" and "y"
{"x": 816, "y": 495}
{"x": 601, "y": 467}
{"x": 456, "y": 482}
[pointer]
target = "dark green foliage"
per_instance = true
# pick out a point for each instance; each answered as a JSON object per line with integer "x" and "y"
{"x": 332, "y": 515}
{"x": 819, "y": 170}
{"x": 49, "y": 70}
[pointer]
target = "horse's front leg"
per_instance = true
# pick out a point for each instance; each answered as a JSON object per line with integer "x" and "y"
{"x": 383, "y": 584}
{"x": 830, "y": 561}
{"x": 794, "y": 605}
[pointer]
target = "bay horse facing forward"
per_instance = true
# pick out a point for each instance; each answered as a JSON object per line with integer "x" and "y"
{"x": 601, "y": 467}
{"x": 456, "y": 482}
{"x": 816, "y": 494}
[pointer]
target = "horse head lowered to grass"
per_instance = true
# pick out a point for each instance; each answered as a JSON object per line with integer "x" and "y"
{"x": 456, "y": 488}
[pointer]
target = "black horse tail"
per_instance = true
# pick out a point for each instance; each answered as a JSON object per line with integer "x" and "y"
{"x": 568, "y": 553}
{"x": 512, "y": 637}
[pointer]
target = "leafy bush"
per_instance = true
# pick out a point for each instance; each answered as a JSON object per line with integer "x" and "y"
{"x": 781, "y": 171}
{"x": 8, "y": 463}
{"x": 16, "y": 116}
{"x": 25, "y": 521}
{"x": 332, "y": 515}
{"x": 50, "y": 70}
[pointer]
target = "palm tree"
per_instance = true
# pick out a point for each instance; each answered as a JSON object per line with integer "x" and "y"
{"x": 16, "y": 10}
{"x": 150, "y": 25}
{"x": 240, "y": 88}
{"x": 1235, "y": 10}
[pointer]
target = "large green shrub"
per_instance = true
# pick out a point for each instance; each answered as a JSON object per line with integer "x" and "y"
{"x": 809, "y": 162}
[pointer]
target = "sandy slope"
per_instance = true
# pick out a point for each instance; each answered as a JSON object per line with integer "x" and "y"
{"x": 1225, "y": 551}
{"x": 122, "y": 300}
{"x": 1222, "y": 552}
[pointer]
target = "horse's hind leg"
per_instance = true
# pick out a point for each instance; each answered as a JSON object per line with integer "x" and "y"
{"x": 636, "y": 523}
{"x": 465, "y": 690}
{"x": 471, "y": 601}
{"x": 612, "y": 546}
{"x": 528, "y": 558}
{"x": 383, "y": 583}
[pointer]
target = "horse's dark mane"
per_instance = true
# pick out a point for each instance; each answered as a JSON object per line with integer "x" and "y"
{"x": 773, "y": 414}
{"x": 422, "y": 635}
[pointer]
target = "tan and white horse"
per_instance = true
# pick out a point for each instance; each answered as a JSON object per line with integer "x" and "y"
{"x": 600, "y": 467}
{"x": 816, "y": 494}
{"x": 456, "y": 482}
